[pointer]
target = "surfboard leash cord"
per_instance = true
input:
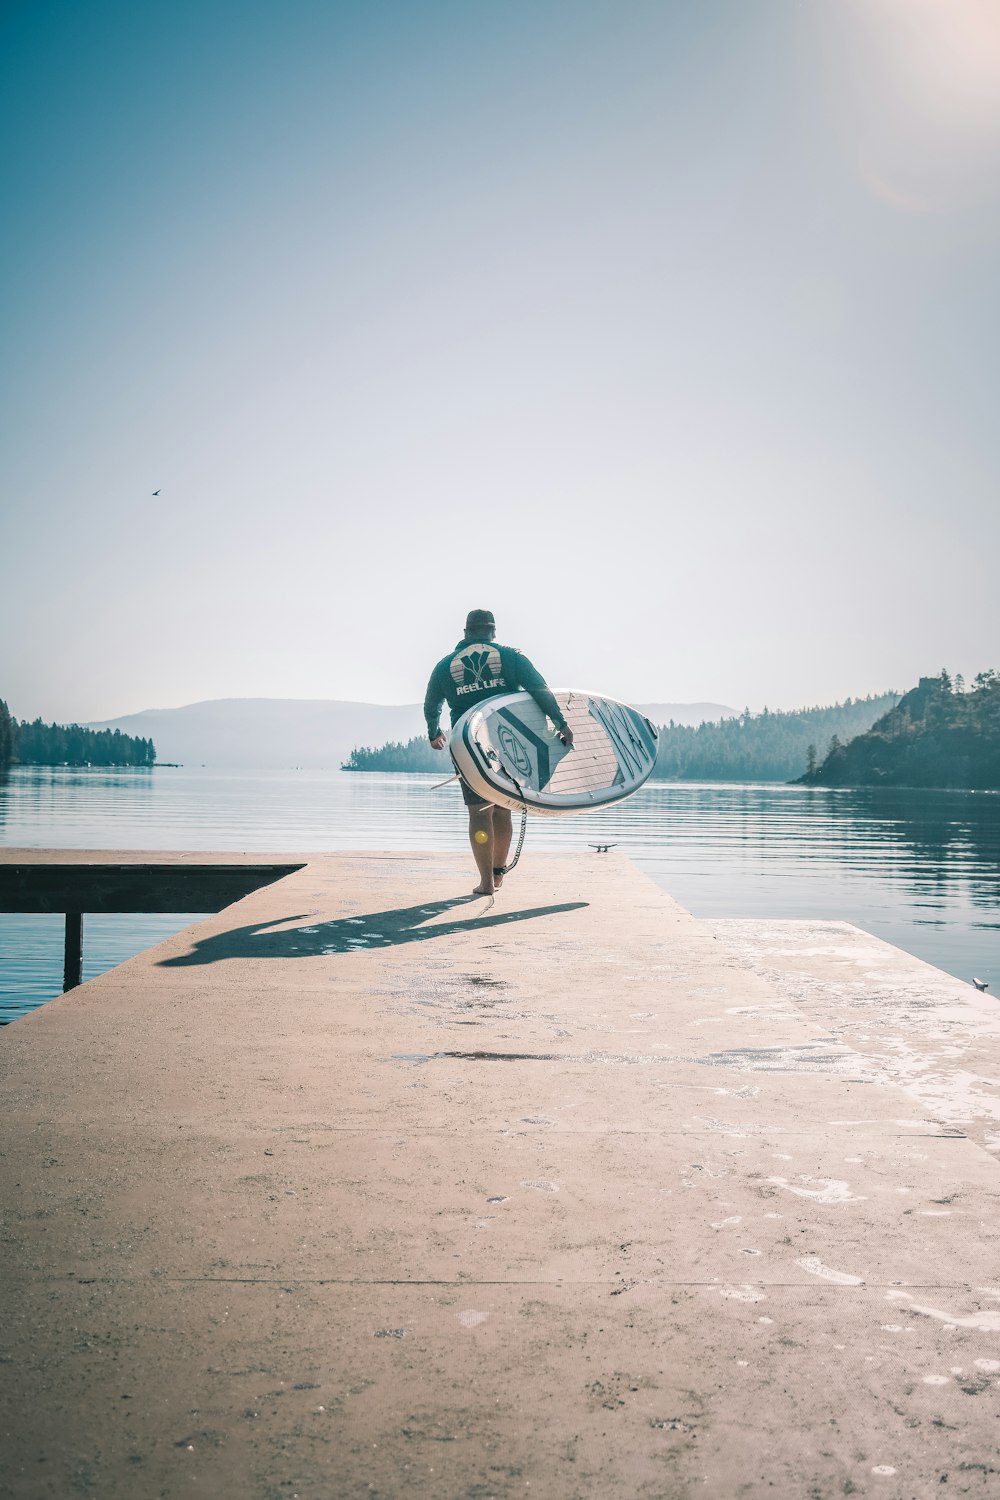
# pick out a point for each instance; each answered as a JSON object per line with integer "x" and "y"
{"x": 506, "y": 869}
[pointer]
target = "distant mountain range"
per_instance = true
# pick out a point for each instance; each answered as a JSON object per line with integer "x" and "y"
{"x": 314, "y": 733}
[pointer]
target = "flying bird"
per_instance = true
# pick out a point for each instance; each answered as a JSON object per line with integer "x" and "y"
{"x": 156, "y": 492}
{"x": 981, "y": 984}
{"x": 602, "y": 848}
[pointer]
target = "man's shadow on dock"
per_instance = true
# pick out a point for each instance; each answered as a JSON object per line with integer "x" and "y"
{"x": 381, "y": 929}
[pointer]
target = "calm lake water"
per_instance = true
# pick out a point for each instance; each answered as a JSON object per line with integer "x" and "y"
{"x": 920, "y": 869}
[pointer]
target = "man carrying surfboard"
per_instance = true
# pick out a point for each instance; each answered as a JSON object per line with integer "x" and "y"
{"x": 478, "y": 668}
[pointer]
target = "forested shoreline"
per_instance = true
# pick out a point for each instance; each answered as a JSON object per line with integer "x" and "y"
{"x": 939, "y": 734}
{"x": 39, "y": 744}
{"x": 769, "y": 746}
{"x": 413, "y": 755}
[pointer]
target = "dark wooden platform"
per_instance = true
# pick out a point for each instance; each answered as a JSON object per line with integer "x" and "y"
{"x": 39, "y": 883}
{"x": 131, "y": 887}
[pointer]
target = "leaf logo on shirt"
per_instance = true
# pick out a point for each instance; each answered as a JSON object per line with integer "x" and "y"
{"x": 476, "y": 671}
{"x": 476, "y": 665}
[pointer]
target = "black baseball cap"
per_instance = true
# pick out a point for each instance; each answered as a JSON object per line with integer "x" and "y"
{"x": 478, "y": 619}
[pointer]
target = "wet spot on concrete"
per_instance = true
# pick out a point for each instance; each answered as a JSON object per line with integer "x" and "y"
{"x": 503, "y": 1056}
{"x": 767, "y": 1060}
{"x": 499, "y": 1198}
{"x": 983, "y": 1321}
{"x": 722, "y": 1126}
{"x": 818, "y": 1189}
{"x": 390, "y": 1333}
{"x": 815, "y": 1267}
{"x": 805, "y": 1059}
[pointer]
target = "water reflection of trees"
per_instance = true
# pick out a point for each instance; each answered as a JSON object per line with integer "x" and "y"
{"x": 953, "y": 837}
{"x": 931, "y": 846}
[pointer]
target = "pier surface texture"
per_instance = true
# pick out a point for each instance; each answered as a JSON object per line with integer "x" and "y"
{"x": 362, "y": 1188}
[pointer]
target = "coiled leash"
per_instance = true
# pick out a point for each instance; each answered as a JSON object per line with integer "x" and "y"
{"x": 506, "y": 869}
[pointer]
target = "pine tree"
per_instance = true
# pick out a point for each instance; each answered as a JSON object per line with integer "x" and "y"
{"x": 6, "y": 735}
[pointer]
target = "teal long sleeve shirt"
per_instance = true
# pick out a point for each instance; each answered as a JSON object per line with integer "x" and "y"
{"x": 477, "y": 670}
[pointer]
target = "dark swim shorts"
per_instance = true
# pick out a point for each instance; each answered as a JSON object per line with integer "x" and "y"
{"x": 472, "y": 799}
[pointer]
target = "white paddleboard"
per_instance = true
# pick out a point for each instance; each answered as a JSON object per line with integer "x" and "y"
{"x": 509, "y": 752}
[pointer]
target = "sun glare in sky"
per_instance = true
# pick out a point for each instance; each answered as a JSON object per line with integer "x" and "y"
{"x": 922, "y": 86}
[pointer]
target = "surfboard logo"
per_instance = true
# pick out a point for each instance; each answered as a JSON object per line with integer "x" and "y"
{"x": 477, "y": 671}
{"x": 517, "y": 756}
{"x": 633, "y": 747}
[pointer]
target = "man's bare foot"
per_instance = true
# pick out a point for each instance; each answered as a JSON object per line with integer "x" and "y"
{"x": 483, "y": 890}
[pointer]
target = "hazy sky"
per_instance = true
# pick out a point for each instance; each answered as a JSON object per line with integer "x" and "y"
{"x": 668, "y": 331}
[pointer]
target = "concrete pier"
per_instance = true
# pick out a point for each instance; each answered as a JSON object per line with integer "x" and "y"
{"x": 364, "y": 1188}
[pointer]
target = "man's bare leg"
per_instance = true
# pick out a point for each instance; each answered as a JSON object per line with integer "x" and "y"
{"x": 482, "y": 841}
{"x": 501, "y": 841}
